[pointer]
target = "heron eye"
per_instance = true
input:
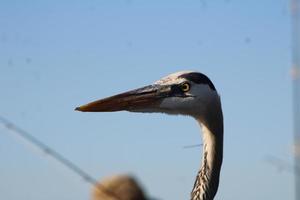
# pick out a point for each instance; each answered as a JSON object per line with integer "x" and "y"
{"x": 185, "y": 87}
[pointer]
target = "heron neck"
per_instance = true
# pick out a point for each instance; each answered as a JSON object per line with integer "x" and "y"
{"x": 207, "y": 181}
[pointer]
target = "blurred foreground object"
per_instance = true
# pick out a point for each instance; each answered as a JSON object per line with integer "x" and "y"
{"x": 123, "y": 186}
{"x": 295, "y": 15}
{"x": 47, "y": 150}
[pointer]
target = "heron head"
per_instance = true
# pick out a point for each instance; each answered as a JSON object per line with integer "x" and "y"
{"x": 185, "y": 92}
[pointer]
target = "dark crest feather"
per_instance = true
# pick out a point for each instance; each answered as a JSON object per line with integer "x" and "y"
{"x": 198, "y": 78}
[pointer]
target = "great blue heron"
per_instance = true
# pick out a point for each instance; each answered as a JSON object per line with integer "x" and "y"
{"x": 186, "y": 93}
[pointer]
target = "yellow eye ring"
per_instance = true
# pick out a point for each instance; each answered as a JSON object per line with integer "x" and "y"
{"x": 185, "y": 87}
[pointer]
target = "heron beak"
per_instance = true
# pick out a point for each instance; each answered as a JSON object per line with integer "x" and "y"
{"x": 143, "y": 98}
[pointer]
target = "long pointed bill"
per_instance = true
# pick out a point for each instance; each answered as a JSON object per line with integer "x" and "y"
{"x": 143, "y": 98}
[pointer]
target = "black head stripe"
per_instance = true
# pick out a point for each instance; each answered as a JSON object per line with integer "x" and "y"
{"x": 198, "y": 78}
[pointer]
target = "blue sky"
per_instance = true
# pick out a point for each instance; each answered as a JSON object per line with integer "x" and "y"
{"x": 56, "y": 55}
